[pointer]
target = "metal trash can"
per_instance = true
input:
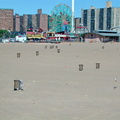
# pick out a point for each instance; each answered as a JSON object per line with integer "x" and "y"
{"x": 58, "y": 50}
{"x": 37, "y": 53}
{"x": 56, "y": 47}
{"x": 97, "y": 65}
{"x": 46, "y": 47}
{"x": 80, "y": 67}
{"x": 102, "y": 47}
{"x": 18, "y": 55}
{"x": 18, "y": 85}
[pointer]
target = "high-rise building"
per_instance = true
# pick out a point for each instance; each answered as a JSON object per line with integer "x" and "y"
{"x": 36, "y": 21}
{"x": 25, "y": 23}
{"x": 77, "y": 22}
{"x": 101, "y": 19}
{"x": 16, "y": 22}
{"x": 6, "y": 19}
{"x": 29, "y": 21}
{"x": 42, "y": 20}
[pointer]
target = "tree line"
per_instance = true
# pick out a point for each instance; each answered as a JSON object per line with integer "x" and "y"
{"x": 7, "y": 34}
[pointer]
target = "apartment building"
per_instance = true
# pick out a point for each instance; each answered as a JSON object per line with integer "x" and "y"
{"x": 102, "y": 18}
{"x": 16, "y": 22}
{"x": 43, "y": 22}
{"x": 6, "y": 19}
{"x": 29, "y": 21}
{"x": 26, "y": 21}
{"x": 77, "y": 22}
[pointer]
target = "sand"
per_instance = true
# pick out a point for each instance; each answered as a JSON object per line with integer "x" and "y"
{"x": 54, "y": 87}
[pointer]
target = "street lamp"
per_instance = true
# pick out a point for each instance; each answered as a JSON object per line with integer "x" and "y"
{"x": 72, "y": 16}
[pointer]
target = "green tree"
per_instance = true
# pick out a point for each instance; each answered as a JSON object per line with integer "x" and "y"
{"x": 4, "y": 33}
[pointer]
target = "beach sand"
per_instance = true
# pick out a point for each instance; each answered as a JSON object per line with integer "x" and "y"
{"x": 54, "y": 87}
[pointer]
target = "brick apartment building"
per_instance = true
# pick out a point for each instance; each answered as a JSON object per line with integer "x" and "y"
{"x": 39, "y": 20}
{"x": 6, "y": 19}
{"x": 16, "y": 22}
{"x": 77, "y": 22}
{"x": 11, "y": 22}
{"x": 43, "y": 22}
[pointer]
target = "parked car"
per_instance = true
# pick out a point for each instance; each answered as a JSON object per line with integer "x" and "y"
{"x": 5, "y": 40}
{"x": 12, "y": 39}
{"x": 55, "y": 41}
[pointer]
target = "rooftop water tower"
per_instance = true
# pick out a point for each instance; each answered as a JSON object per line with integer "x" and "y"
{"x": 108, "y": 4}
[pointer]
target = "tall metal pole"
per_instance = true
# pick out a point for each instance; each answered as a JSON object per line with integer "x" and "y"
{"x": 72, "y": 16}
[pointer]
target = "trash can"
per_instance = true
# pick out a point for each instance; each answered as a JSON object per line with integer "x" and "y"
{"x": 80, "y": 67}
{"x": 58, "y": 50}
{"x": 18, "y": 85}
{"x": 97, "y": 65}
{"x": 18, "y": 55}
{"x": 37, "y": 53}
{"x": 46, "y": 47}
{"x": 56, "y": 47}
{"x": 102, "y": 47}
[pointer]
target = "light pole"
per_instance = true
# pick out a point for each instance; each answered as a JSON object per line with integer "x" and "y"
{"x": 72, "y": 16}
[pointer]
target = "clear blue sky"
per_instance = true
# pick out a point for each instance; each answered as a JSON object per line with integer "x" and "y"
{"x": 30, "y": 6}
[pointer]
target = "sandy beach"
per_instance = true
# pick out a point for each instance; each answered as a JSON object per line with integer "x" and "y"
{"x": 54, "y": 87}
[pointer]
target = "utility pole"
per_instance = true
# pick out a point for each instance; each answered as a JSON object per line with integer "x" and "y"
{"x": 72, "y": 16}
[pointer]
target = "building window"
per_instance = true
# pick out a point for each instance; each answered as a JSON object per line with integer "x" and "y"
{"x": 92, "y": 20}
{"x": 101, "y": 19}
{"x": 108, "y": 18}
{"x": 85, "y": 17}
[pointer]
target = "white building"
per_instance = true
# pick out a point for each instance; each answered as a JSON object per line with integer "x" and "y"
{"x": 102, "y": 18}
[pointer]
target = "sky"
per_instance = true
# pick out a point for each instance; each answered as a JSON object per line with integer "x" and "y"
{"x": 30, "y": 6}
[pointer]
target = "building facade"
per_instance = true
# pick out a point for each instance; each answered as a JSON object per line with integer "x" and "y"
{"x": 77, "y": 22}
{"x": 102, "y": 36}
{"x": 6, "y": 19}
{"x": 101, "y": 19}
{"x": 16, "y": 22}
{"x": 27, "y": 21}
